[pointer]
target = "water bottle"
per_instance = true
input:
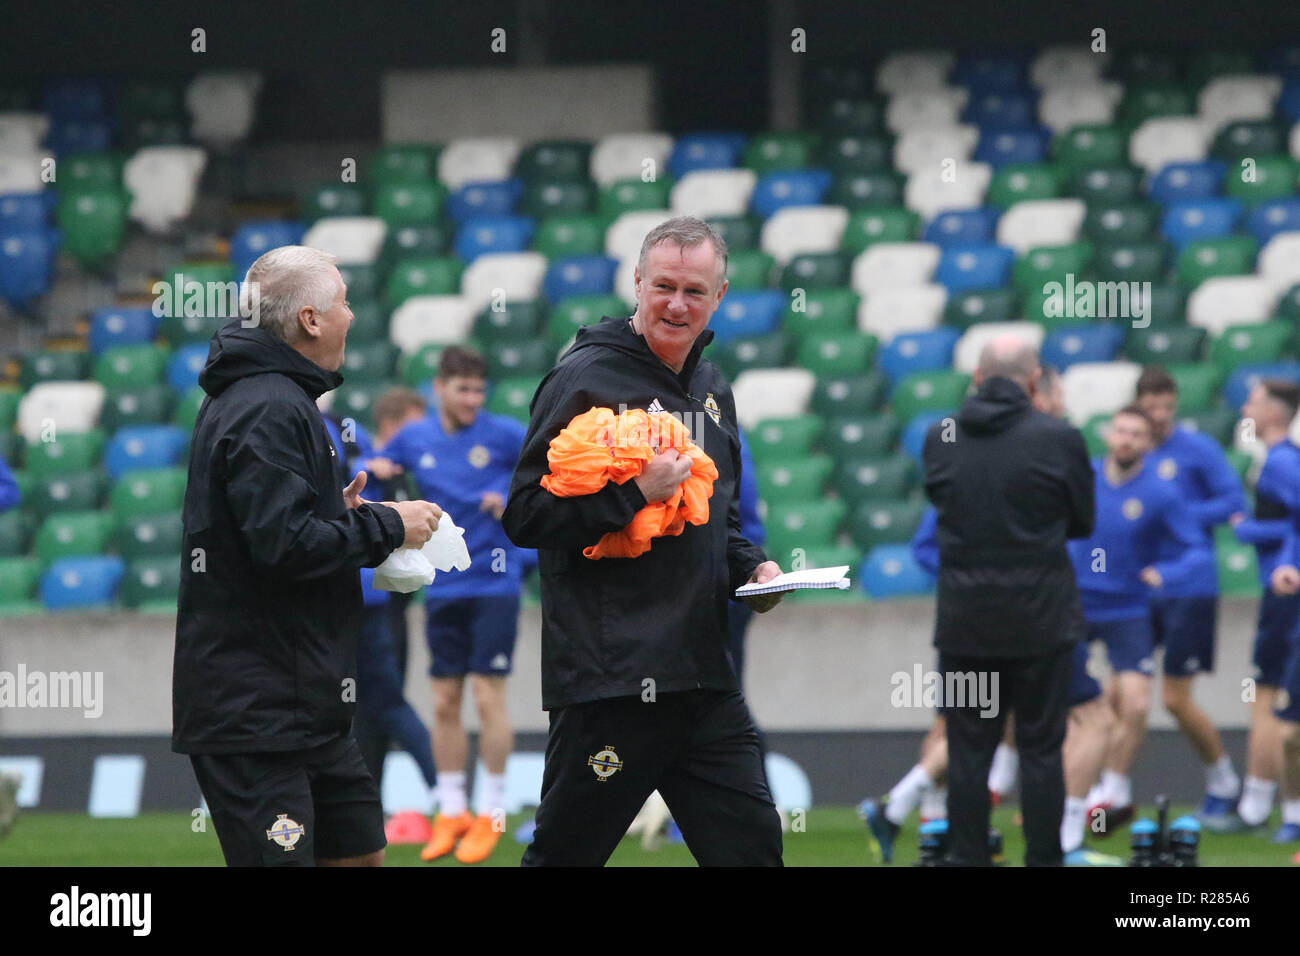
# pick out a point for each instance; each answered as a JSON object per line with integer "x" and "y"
{"x": 1143, "y": 843}
{"x": 934, "y": 843}
{"x": 1185, "y": 841}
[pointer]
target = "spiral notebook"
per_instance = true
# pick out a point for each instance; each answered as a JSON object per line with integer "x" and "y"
{"x": 795, "y": 580}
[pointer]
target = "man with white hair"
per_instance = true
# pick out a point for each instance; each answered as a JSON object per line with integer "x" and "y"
{"x": 1009, "y": 484}
{"x": 264, "y": 678}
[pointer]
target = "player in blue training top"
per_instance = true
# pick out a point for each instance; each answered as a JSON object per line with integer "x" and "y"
{"x": 1269, "y": 411}
{"x": 1145, "y": 542}
{"x": 469, "y": 456}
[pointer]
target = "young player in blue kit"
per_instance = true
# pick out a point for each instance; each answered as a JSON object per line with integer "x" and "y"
{"x": 469, "y": 456}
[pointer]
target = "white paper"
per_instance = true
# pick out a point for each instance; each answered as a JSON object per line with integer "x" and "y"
{"x": 805, "y": 578}
{"x": 409, "y": 568}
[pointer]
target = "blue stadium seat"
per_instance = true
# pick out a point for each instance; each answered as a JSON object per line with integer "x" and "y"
{"x": 963, "y": 226}
{"x": 1001, "y": 108}
{"x": 1288, "y": 103}
{"x": 579, "y": 275}
{"x": 486, "y": 234}
{"x": 1189, "y": 220}
{"x": 918, "y": 352}
{"x": 912, "y": 440}
{"x": 790, "y": 187}
{"x": 890, "y": 571}
{"x": 1272, "y": 216}
{"x": 1245, "y": 377}
{"x": 69, "y": 136}
{"x": 144, "y": 446}
{"x": 979, "y": 265}
{"x": 184, "y": 366}
{"x": 988, "y": 71}
{"x": 26, "y": 260}
{"x": 26, "y": 210}
{"x": 136, "y": 325}
{"x": 1000, "y": 145}
{"x": 495, "y": 198}
{"x": 1179, "y": 182}
{"x": 80, "y": 98}
{"x": 1095, "y": 342}
{"x": 705, "y": 151}
{"x": 746, "y": 313}
{"x": 82, "y": 582}
{"x": 252, "y": 239}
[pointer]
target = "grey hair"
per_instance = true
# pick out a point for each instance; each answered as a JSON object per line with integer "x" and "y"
{"x": 1009, "y": 356}
{"x": 686, "y": 232}
{"x": 283, "y": 281}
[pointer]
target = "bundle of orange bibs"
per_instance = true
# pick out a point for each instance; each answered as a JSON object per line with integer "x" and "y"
{"x": 598, "y": 447}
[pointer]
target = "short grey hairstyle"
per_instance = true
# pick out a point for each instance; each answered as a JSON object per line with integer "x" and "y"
{"x": 1009, "y": 356}
{"x": 686, "y": 232}
{"x": 286, "y": 279}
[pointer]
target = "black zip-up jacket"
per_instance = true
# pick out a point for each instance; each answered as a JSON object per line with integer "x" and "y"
{"x": 1010, "y": 485}
{"x": 270, "y": 592}
{"x": 610, "y": 625}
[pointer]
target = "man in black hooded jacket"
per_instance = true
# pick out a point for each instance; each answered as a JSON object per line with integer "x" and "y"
{"x": 1010, "y": 485}
{"x": 634, "y": 665}
{"x": 270, "y": 596}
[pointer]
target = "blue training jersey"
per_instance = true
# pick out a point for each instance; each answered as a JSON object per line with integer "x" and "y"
{"x": 1277, "y": 507}
{"x": 1197, "y": 468}
{"x": 925, "y": 543}
{"x": 454, "y": 472}
{"x": 1140, "y": 523}
{"x": 364, "y": 447}
{"x": 9, "y": 494}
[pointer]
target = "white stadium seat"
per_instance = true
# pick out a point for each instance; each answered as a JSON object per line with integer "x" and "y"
{"x": 223, "y": 106}
{"x": 934, "y": 190}
{"x": 1231, "y": 300}
{"x": 21, "y": 172}
{"x": 1238, "y": 98}
{"x": 1162, "y": 140}
{"x": 518, "y": 276}
{"x": 625, "y": 234}
{"x": 624, "y": 155}
{"x": 913, "y": 70}
{"x": 1098, "y": 388}
{"x": 1090, "y": 104}
{"x": 771, "y": 393}
{"x": 1075, "y": 65}
{"x": 22, "y": 132}
{"x": 1279, "y": 260}
{"x": 926, "y": 147}
{"x": 1041, "y": 222}
{"x": 69, "y": 406}
{"x": 355, "y": 240}
{"x": 967, "y": 353}
{"x": 889, "y": 265}
{"x": 164, "y": 181}
{"x": 431, "y": 319}
{"x": 933, "y": 107}
{"x": 713, "y": 192}
{"x": 793, "y": 230}
{"x": 890, "y": 312}
{"x": 481, "y": 159}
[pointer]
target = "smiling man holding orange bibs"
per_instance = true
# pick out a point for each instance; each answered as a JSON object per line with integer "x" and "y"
{"x": 634, "y": 663}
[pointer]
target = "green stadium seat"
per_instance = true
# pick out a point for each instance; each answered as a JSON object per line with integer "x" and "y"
{"x": 554, "y": 160}
{"x": 68, "y": 453}
{"x": 1143, "y": 101}
{"x": 1198, "y": 386}
{"x": 1252, "y": 344}
{"x": 513, "y": 322}
{"x": 131, "y": 366}
{"x": 1206, "y": 65}
{"x": 794, "y": 479}
{"x": 355, "y": 399}
{"x": 794, "y": 526}
{"x": 545, "y": 198}
{"x": 738, "y": 232}
{"x": 151, "y": 535}
{"x": 369, "y": 323}
{"x": 836, "y": 396}
{"x": 9, "y": 402}
{"x": 1167, "y": 305}
{"x": 516, "y": 359}
{"x": 1238, "y": 569}
{"x": 432, "y": 275}
{"x": 75, "y": 491}
{"x": 1131, "y": 261}
{"x": 363, "y": 281}
{"x": 1240, "y": 462}
{"x": 18, "y": 579}
{"x": 1288, "y": 305}
{"x": 885, "y": 522}
{"x": 1094, "y": 434}
{"x": 93, "y": 222}
{"x": 73, "y": 534}
{"x": 770, "y": 152}
{"x": 1165, "y": 344}
{"x": 1090, "y": 145}
{"x": 966, "y": 308}
{"x": 187, "y": 409}
{"x": 52, "y": 366}
{"x": 1017, "y": 182}
{"x": 842, "y": 115}
{"x": 1046, "y": 264}
{"x": 937, "y": 391}
{"x": 866, "y": 190}
{"x": 816, "y": 270}
{"x": 1114, "y": 183}
{"x": 1108, "y": 222}
{"x": 421, "y": 367}
{"x": 880, "y": 478}
{"x": 180, "y": 330}
{"x": 409, "y": 203}
{"x": 369, "y": 363}
{"x": 87, "y": 171}
{"x": 512, "y": 396}
{"x": 632, "y": 195}
{"x": 1207, "y": 258}
{"x": 749, "y": 269}
{"x": 11, "y": 446}
{"x": 885, "y": 224}
{"x": 16, "y": 529}
{"x": 1145, "y": 66}
{"x": 836, "y": 353}
{"x": 856, "y": 152}
{"x": 1254, "y": 139}
{"x": 1274, "y": 177}
{"x": 154, "y": 131}
{"x": 559, "y": 236}
{"x": 403, "y": 163}
{"x": 151, "y": 405}
{"x": 573, "y": 313}
{"x": 151, "y": 583}
{"x": 1218, "y": 422}
{"x": 415, "y": 241}
{"x": 757, "y": 351}
{"x": 821, "y": 310}
{"x": 148, "y": 491}
{"x": 332, "y": 199}
{"x": 202, "y": 272}
{"x": 861, "y": 436}
{"x": 782, "y": 439}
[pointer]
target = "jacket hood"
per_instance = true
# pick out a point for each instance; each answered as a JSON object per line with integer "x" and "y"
{"x": 998, "y": 404}
{"x": 617, "y": 334}
{"x": 237, "y": 352}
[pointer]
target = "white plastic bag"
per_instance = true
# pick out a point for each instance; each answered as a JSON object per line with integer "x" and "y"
{"x": 409, "y": 568}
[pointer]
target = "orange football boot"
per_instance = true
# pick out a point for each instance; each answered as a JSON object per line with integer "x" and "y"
{"x": 479, "y": 842}
{"x": 446, "y": 831}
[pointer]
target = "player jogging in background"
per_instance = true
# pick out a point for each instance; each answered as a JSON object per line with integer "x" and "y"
{"x": 1184, "y": 614}
{"x": 1145, "y": 542}
{"x": 1271, "y": 407}
{"x": 472, "y": 617}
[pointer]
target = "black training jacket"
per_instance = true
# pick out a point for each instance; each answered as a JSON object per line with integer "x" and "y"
{"x": 1010, "y": 485}
{"x": 270, "y": 593}
{"x": 610, "y": 625}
